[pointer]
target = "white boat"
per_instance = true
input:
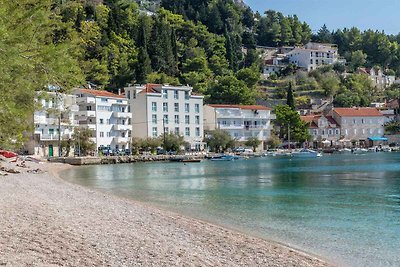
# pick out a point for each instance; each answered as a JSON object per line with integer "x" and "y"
{"x": 358, "y": 150}
{"x": 345, "y": 151}
{"x": 306, "y": 153}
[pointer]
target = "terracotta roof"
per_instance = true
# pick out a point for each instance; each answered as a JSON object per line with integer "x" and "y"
{"x": 358, "y": 112}
{"x": 100, "y": 93}
{"x": 149, "y": 88}
{"x": 313, "y": 120}
{"x": 252, "y": 107}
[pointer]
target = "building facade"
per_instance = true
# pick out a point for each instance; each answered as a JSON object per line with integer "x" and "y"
{"x": 160, "y": 109}
{"x": 359, "y": 124}
{"x": 324, "y": 130}
{"x": 107, "y": 115}
{"x": 313, "y": 55}
{"x": 240, "y": 121}
{"x": 54, "y": 121}
{"x": 378, "y": 78}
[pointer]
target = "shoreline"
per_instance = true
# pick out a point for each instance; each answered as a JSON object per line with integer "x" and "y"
{"x": 179, "y": 240}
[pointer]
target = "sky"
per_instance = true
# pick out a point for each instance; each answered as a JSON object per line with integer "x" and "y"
{"x": 364, "y": 14}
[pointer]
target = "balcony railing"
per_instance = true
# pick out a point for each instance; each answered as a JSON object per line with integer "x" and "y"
{"x": 121, "y": 127}
{"x": 121, "y": 140}
{"x": 119, "y": 114}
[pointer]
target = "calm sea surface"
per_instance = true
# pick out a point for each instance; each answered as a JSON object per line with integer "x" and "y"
{"x": 345, "y": 208}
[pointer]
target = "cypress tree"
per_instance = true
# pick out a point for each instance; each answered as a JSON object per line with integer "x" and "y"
{"x": 290, "y": 98}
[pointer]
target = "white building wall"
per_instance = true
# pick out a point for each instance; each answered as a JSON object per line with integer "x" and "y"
{"x": 239, "y": 123}
{"x": 147, "y": 104}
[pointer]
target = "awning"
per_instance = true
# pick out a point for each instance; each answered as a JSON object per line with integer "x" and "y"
{"x": 377, "y": 138}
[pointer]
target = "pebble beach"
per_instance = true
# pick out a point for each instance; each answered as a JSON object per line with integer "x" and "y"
{"x": 46, "y": 221}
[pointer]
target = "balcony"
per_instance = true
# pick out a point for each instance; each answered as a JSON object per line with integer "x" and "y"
{"x": 230, "y": 126}
{"x": 119, "y": 114}
{"x": 86, "y": 113}
{"x": 49, "y": 137}
{"x": 121, "y": 127}
{"x": 85, "y": 100}
{"x": 121, "y": 140}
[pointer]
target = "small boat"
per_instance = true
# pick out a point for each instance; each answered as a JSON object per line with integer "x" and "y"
{"x": 306, "y": 153}
{"x": 224, "y": 158}
{"x": 359, "y": 151}
{"x": 190, "y": 160}
{"x": 8, "y": 154}
{"x": 345, "y": 151}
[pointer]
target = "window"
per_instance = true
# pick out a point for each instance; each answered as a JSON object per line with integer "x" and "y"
{"x": 154, "y": 106}
{"x": 154, "y": 132}
{"x": 129, "y": 108}
{"x": 187, "y": 107}
{"x": 101, "y": 134}
{"x": 51, "y": 131}
{"x": 176, "y": 119}
{"x": 187, "y": 119}
{"x": 362, "y": 121}
{"x": 108, "y": 134}
{"x": 197, "y": 120}
{"x": 176, "y": 107}
{"x": 108, "y": 121}
{"x": 354, "y": 121}
{"x": 129, "y": 94}
{"x": 197, "y": 131}
{"x": 186, "y": 95}
{"x": 315, "y": 132}
{"x": 88, "y": 108}
{"x": 337, "y": 131}
{"x": 166, "y": 129}
{"x": 330, "y": 132}
{"x": 101, "y": 121}
{"x": 104, "y": 100}
{"x": 176, "y": 130}
{"x": 176, "y": 94}
{"x": 311, "y": 61}
{"x": 165, "y": 94}
{"x": 197, "y": 108}
{"x": 187, "y": 131}
{"x": 165, "y": 107}
{"x": 154, "y": 118}
{"x": 165, "y": 119}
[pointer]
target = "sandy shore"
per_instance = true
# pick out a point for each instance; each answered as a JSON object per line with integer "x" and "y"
{"x": 45, "y": 221}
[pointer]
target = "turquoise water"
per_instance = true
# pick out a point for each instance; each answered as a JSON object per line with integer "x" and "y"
{"x": 345, "y": 208}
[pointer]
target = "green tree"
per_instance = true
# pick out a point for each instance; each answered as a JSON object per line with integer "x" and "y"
{"x": 289, "y": 120}
{"x": 219, "y": 140}
{"x": 30, "y": 60}
{"x": 151, "y": 144}
{"x": 229, "y": 90}
{"x": 253, "y": 142}
{"x": 358, "y": 59}
{"x": 290, "y": 97}
{"x": 172, "y": 142}
{"x": 82, "y": 141}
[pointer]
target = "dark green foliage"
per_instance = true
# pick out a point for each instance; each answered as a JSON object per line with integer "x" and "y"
{"x": 253, "y": 142}
{"x": 290, "y": 97}
{"x": 219, "y": 140}
{"x": 289, "y": 120}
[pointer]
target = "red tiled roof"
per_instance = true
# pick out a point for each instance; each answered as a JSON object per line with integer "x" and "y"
{"x": 100, "y": 93}
{"x": 309, "y": 118}
{"x": 149, "y": 88}
{"x": 358, "y": 112}
{"x": 252, "y": 107}
{"x": 313, "y": 120}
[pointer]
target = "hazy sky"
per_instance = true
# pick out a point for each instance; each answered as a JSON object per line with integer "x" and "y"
{"x": 364, "y": 14}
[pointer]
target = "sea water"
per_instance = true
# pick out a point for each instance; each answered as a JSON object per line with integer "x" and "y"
{"x": 345, "y": 208}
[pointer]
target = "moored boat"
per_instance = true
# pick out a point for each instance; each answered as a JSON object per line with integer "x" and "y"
{"x": 306, "y": 153}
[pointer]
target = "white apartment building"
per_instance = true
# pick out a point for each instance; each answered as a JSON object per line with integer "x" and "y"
{"x": 378, "y": 78}
{"x": 240, "y": 121}
{"x": 170, "y": 109}
{"x": 108, "y": 115}
{"x": 359, "y": 124}
{"x": 53, "y": 122}
{"x": 324, "y": 130}
{"x": 313, "y": 55}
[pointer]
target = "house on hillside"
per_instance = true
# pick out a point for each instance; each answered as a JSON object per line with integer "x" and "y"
{"x": 378, "y": 78}
{"x": 314, "y": 55}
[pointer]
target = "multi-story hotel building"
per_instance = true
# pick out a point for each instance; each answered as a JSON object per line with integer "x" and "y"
{"x": 240, "y": 121}
{"x": 109, "y": 117}
{"x": 53, "y": 122}
{"x": 159, "y": 109}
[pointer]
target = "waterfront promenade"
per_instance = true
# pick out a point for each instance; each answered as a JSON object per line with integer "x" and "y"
{"x": 48, "y": 221}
